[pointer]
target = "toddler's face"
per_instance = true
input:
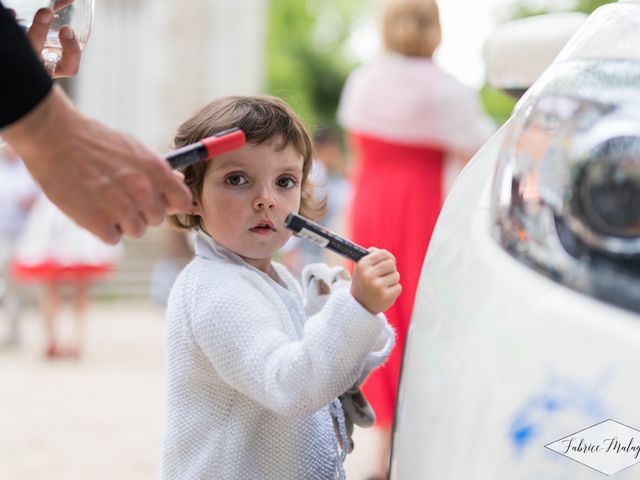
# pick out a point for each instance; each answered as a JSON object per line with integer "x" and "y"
{"x": 246, "y": 196}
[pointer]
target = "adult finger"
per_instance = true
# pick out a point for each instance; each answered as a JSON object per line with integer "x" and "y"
{"x": 39, "y": 28}
{"x": 131, "y": 222}
{"x": 123, "y": 212}
{"x": 95, "y": 220}
{"x": 101, "y": 224}
{"x": 60, "y": 4}
{"x": 176, "y": 194}
{"x": 70, "y": 61}
{"x": 149, "y": 203}
{"x": 152, "y": 207}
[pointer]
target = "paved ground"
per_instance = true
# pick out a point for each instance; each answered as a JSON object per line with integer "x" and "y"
{"x": 97, "y": 418}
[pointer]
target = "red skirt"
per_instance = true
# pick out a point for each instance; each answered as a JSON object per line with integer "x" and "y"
{"x": 52, "y": 271}
{"x": 397, "y": 199}
{"x": 53, "y": 248}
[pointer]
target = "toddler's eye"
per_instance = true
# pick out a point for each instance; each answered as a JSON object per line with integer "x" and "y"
{"x": 235, "y": 180}
{"x": 286, "y": 182}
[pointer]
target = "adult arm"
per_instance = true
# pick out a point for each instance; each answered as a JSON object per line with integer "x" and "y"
{"x": 23, "y": 82}
{"x": 108, "y": 182}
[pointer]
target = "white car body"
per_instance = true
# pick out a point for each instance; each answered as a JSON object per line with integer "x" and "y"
{"x": 502, "y": 360}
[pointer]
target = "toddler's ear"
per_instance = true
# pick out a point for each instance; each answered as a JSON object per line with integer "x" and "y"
{"x": 316, "y": 286}
{"x": 195, "y": 209}
{"x": 313, "y": 274}
{"x": 338, "y": 273}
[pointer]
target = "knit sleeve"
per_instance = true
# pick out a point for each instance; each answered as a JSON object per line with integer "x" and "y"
{"x": 379, "y": 353}
{"x": 243, "y": 337}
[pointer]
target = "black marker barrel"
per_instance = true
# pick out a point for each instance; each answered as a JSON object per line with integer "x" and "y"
{"x": 323, "y": 237}
{"x": 187, "y": 155}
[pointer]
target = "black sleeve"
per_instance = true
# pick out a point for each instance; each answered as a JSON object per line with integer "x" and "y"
{"x": 23, "y": 80}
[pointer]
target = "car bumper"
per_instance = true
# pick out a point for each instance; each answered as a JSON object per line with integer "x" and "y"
{"x": 501, "y": 361}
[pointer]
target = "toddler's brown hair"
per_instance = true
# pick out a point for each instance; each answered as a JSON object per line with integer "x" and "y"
{"x": 263, "y": 119}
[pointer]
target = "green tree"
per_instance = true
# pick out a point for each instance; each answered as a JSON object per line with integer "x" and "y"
{"x": 522, "y": 8}
{"x": 588, "y": 6}
{"x": 306, "y": 60}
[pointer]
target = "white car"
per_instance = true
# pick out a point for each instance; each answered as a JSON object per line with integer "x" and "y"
{"x": 526, "y": 327}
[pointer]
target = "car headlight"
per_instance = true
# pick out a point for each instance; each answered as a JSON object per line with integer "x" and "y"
{"x": 566, "y": 194}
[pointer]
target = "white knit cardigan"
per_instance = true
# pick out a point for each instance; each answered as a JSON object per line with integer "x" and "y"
{"x": 250, "y": 377}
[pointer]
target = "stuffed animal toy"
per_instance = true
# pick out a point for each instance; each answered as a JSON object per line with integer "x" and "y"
{"x": 318, "y": 281}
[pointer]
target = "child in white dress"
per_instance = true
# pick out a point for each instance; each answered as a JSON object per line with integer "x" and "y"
{"x": 252, "y": 379}
{"x": 54, "y": 251}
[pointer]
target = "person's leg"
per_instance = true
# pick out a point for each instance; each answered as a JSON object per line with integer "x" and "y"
{"x": 50, "y": 305}
{"x": 81, "y": 301}
{"x": 13, "y": 310}
{"x": 378, "y": 390}
{"x": 8, "y": 300}
{"x": 378, "y": 453}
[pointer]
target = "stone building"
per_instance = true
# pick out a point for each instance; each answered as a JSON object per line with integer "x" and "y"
{"x": 148, "y": 65}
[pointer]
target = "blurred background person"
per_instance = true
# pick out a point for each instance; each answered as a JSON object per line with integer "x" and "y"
{"x": 329, "y": 174}
{"x": 408, "y": 123}
{"x": 176, "y": 252}
{"x": 18, "y": 192}
{"x": 54, "y": 251}
{"x": 333, "y": 167}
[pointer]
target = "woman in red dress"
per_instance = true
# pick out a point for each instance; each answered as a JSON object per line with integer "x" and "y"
{"x": 410, "y": 125}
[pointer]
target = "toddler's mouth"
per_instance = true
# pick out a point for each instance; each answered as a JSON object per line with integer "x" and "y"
{"x": 263, "y": 228}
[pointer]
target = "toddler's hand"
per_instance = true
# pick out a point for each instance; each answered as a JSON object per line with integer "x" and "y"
{"x": 376, "y": 281}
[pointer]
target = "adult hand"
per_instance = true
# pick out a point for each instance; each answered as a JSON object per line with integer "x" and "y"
{"x": 376, "y": 281}
{"x": 108, "y": 182}
{"x": 70, "y": 60}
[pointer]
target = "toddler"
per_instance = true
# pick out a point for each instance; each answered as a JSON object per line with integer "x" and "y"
{"x": 252, "y": 379}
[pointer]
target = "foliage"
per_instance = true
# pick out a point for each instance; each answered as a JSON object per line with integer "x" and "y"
{"x": 306, "y": 60}
{"x": 588, "y": 6}
{"x": 524, "y": 8}
{"x": 499, "y": 105}
{"x": 307, "y": 63}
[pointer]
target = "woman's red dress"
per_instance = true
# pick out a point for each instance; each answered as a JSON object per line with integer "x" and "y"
{"x": 398, "y": 195}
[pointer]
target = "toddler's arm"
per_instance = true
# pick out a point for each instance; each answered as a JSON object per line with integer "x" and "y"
{"x": 245, "y": 339}
{"x": 319, "y": 281}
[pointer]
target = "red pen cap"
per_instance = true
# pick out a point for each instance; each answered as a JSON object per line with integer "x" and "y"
{"x": 224, "y": 142}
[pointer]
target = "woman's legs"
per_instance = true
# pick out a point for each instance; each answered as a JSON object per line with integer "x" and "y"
{"x": 51, "y": 302}
{"x": 80, "y": 303}
{"x": 50, "y": 305}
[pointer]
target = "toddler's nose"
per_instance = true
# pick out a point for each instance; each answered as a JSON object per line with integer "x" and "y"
{"x": 264, "y": 201}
